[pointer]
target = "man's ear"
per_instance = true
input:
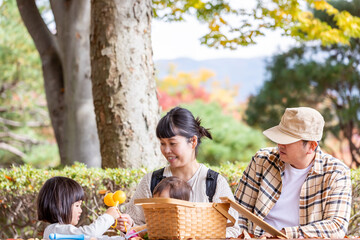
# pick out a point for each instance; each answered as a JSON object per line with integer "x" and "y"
{"x": 313, "y": 146}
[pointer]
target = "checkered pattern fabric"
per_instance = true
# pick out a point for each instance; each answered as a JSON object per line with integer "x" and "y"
{"x": 325, "y": 198}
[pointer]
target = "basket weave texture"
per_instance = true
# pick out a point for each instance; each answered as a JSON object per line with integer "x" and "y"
{"x": 173, "y": 221}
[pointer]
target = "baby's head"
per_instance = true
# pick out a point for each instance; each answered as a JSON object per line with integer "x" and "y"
{"x": 173, "y": 187}
{"x": 56, "y": 198}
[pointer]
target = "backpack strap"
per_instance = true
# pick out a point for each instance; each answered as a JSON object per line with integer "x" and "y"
{"x": 156, "y": 177}
{"x": 211, "y": 181}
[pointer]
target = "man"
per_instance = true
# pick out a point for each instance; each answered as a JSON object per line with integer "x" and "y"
{"x": 296, "y": 187}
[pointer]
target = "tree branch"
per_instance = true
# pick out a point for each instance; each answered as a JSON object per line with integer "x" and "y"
{"x": 59, "y": 10}
{"x": 43, "y": 38}
{"x": 19, "y": 124}
{"x": 10, "y": 122}
{"x": 11, "y": 149}
{"x": 18, "y": 137}
{"x": 52, "y": 66}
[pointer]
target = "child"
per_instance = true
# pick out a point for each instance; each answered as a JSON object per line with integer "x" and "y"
{"x": 173, "y": 187}
{"x": 59, "y": 203}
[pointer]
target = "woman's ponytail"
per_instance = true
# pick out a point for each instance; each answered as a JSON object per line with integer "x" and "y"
{"x": 204, "y": 132}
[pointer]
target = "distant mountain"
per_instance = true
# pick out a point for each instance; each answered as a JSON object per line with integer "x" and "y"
{"x": 249, "y": 74}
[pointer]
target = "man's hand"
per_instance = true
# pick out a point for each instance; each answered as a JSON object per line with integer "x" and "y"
{"x": 266, "y": 235}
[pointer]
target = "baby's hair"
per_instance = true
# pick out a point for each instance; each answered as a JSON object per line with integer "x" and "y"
{"x": 56, "y": 198}
{"x": 177, "y": 187}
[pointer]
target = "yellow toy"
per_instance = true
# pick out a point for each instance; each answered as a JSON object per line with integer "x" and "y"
{"x": 113, "y": 200}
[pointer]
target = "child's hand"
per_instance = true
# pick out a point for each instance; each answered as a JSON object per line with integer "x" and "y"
{"x": 125, "y": 219}
{"x": 114, "y": 212}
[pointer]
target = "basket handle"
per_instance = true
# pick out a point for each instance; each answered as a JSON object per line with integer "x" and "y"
{"x": 221, "y": 208}
{"x": 144, "y": 201}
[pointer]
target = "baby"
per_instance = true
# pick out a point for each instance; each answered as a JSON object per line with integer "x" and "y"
{"x": 173, "y": 187}
{"x": 169, "y": 187}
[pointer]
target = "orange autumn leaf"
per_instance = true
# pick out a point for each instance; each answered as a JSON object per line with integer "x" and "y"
{"x": 102, "y": 192}
{"x": 9, "y": 178}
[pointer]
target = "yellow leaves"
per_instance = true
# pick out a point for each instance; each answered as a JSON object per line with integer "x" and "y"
{"x": 295, "y": 21}
{"x": 214, "y": 27}
{"x": 186, "y": 87}
{"x": 222, "y": 20}
{"x": 348, "y": 23}
{"x": 199, "y": 4}
{"x": 178, "y": 82}
{"x": 216, "y": 23}
{"x": 324, "y": 6}
{"x": 225, "y": 95}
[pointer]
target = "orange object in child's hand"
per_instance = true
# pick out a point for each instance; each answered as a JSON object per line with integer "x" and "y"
{"x": 108, "y": 200}
{"x": 113, "y": 199}
{"x": 119, "y": 197}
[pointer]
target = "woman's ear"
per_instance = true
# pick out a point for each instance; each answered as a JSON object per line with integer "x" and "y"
{"x": 194, "y": 141}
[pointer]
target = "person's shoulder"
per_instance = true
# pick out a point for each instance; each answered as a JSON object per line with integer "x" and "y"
{"x": 146, "y": 178}
{"x": 332, "y": 163}
{"x": 267, "y": 153}
{"x": 203, "y": 169}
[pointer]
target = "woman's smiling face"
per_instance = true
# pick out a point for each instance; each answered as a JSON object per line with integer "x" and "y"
{"x": 178, "y": 150}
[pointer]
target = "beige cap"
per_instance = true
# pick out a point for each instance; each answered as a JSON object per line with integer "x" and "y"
{"x": 297, "y": 124}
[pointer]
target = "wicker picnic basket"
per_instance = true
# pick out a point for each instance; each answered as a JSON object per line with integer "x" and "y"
{"x": 168, "y": 218}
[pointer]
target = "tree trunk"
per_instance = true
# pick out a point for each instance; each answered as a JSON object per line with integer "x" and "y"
{"x": 124, "y": 88}
{"x": 48, "y": 49}
{"x": 73, "y": 27}
{"x": 66, "y": 70}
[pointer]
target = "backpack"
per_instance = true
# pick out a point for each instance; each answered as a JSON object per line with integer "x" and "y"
{"x": 211, "y": 181}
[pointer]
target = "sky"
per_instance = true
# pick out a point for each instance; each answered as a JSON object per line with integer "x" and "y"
{"x": 182, "y": 39}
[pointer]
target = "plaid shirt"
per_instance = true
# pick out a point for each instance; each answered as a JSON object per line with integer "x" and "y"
{"x": 325, "y": 198}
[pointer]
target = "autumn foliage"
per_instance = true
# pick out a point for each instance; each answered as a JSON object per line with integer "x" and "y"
{"x": 185, "y": 87}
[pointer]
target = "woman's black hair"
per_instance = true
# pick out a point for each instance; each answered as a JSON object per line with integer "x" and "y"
{"x": 56, "y": 198}
{"x": 180, "y": 121}
{"x": 178, "y": 188}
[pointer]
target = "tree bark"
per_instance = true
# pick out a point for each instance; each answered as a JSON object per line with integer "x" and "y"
{"x": 124, "y": 87}
{"x": 73, "y": 30}
{"x": 46, "y": 44}
{"x": 66, "y": 71}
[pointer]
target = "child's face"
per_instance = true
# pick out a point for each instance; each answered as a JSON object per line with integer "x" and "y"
{"x": 163, "y": 194}
{"x": 76, "y": 212}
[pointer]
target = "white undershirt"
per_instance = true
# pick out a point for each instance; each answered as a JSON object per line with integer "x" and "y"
{"x": 285, "y": 212}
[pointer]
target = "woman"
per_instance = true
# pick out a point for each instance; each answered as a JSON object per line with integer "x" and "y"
{"x": 180, "y": 136}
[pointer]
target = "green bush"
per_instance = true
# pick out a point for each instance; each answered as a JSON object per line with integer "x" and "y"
{"x": 233, "y": 141}
{"x": 20, "y": 185}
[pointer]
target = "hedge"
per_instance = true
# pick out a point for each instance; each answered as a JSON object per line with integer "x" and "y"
{"x": 20, "y": 185}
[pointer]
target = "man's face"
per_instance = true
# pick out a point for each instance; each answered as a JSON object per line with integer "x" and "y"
{"x": 296, "y": 154}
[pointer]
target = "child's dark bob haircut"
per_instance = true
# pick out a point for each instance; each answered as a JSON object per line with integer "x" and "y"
{"x": 56, "y": 198}
{"x": 178, "y": 188}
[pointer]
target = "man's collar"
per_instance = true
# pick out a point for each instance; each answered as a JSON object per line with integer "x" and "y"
{"x": 318, "y": 162}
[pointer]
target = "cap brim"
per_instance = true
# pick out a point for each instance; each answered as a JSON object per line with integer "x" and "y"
{"x": 277, "y": 136}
